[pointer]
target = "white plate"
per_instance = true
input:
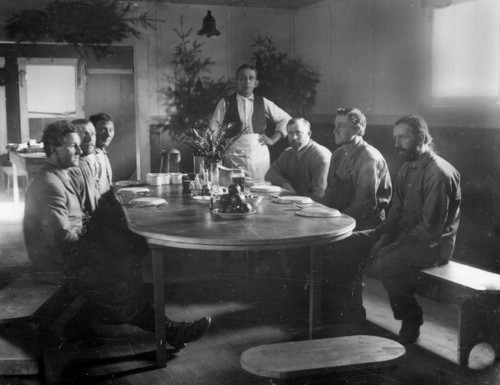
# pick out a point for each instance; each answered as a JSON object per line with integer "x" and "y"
{"x": 265, "y": 189}
{"x": 203, "y": 199}
{"x": 286, "y": 199}
{"x": 126, "y": 183}
{"x": 233, "y": 215}
{"x": 319, "y": 212}
{"x": 133, "y": 190}
{"x": 147, "y": 201}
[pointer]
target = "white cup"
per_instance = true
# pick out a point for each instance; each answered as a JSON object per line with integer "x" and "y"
{"x": 176, "y": 178}
{"x": 155, "y": 179}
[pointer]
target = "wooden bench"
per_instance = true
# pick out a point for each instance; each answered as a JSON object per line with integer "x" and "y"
{"x": 22, "y": 302}
{"x": 359, "y": 358}
{"x": 477, "y": 292}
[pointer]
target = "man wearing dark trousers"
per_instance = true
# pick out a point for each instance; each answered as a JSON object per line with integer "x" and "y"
{"x": 55, "y": 231}
{"x": 421, "y": 228}
{"x": 359, "y": 185}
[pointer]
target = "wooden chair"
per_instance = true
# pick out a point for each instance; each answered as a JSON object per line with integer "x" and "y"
{"x": 358, "y": 359}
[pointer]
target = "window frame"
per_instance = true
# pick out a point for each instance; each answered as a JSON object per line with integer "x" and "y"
{"x": 456, "y": 102}
{"x": 3, "y": 113}
{"x": 22, "y": 62}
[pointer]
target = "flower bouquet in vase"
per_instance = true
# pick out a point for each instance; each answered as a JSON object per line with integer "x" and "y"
{"x": 210, "y": 147}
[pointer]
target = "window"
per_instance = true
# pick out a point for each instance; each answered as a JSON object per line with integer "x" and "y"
{"x": 51, "y": 91}
{"x": 48, "y": 91}
{"x": 465, "y": 51}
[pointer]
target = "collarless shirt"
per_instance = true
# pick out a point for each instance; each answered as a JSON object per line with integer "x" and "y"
{"x": 305, "y": 170}
{"x": 104, "y": 172}
{"x": 426, "y": 203}
{"x": 359, "y": 184}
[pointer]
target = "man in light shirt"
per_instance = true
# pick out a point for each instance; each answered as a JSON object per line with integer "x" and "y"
{"x": 359, "y": 185}
{"x": 60, "y": 247}
{"x": 85, "y": 175}
{"x": 250, "y": 114}
{"x": 303, "y": 167}
{"x": 105, "y": 132}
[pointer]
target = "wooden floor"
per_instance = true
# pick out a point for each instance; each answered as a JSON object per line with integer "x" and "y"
{"x": 245, "y": 314}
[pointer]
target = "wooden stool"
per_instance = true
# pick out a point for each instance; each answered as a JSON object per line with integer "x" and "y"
{"x": 352, "y": 359}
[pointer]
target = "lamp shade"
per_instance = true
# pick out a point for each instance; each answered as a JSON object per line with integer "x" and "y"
{"x": 208, "y": 27}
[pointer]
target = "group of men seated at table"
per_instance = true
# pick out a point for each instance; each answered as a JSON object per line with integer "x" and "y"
{"x": 74, "y": 225}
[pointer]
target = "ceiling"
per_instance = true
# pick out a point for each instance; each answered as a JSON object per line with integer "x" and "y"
{"x": 287, "y": 4}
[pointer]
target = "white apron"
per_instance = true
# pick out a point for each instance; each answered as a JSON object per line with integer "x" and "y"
{"x": 247, "y": 152}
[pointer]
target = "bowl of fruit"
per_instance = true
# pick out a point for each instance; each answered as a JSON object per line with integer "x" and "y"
{"x": 233, "y": 204}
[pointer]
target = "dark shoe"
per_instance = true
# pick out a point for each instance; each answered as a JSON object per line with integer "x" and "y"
{"x": 180, "y": 333}
{"x": 410, "y": 330}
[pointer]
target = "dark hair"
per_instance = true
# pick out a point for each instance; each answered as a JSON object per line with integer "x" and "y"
{"x": 356, "y": 117}
{"x": 80, "y": 121}
{"x": 54, "y": 134}
{"x": 100, "y": 117}
{"x": 292, "y": 121}
{"x": 247, "y": 67}
{"x": 80, "y": 126}
{"x": 418, "y": 125}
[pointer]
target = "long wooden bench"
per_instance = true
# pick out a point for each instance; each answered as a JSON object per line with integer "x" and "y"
{"x": 477, "y": 292}
{"x": 21, "y": 304}
{"x": 355, "y": 359}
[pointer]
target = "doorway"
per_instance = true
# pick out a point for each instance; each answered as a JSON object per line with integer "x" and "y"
{"x": 112, "y": 92}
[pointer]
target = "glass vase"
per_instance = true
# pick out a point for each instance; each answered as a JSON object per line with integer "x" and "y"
{"x": 214, "y": 172}
{"x": 198, "y": 165}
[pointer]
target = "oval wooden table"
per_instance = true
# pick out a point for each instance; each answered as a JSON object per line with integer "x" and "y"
{"x": 186, "y": 224}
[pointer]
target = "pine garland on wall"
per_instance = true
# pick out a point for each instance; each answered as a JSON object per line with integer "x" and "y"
{"x": 80, "y": 23}
{"x": 191, "y": 96}
{"x": 289, "y": 83}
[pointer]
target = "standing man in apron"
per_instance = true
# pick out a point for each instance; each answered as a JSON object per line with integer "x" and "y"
{"x": 250, "y": 113}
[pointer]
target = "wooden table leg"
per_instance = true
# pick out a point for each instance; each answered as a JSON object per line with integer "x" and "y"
{"x": 15, "y": 185}
{"x": 159, "y": 302}
{"x": 314, "y": 289}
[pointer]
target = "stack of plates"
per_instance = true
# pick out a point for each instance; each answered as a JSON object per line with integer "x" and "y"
{"x": 319, "y": 212}
{"x": 204, "y": 199}
{"x": 128, "y": 183}
{"x": 147, "y": 201}
{"x": 287, "y": 199}
{"x": 265, "y": 189}
{"x": 134, "y": 190}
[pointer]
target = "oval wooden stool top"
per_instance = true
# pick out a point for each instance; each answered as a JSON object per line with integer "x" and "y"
{"x": 328, "y": 355}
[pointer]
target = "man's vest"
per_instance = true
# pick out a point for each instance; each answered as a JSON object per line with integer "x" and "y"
{"x": 259, "y": 121}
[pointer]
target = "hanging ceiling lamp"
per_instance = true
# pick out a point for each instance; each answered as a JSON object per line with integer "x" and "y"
{"x": 208, "y": 27}
{"x": 198, "y": 88}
